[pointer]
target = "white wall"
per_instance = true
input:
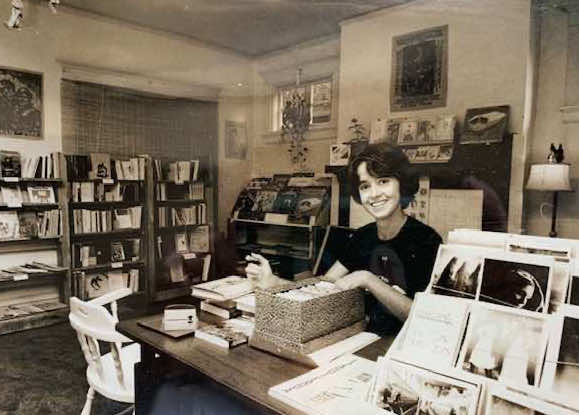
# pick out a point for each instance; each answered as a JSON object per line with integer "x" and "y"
{"x": 118, "y": 54}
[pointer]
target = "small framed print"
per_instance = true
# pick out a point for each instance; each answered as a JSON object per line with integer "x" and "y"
{"x": 22, "y": 93}
{"x": 339, "y": 154}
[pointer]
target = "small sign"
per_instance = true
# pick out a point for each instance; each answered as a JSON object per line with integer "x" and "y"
{"x": 108, "y": 181}
{"x": 11, "y": 179}
{"x": 20, "y": 277}
{"x": 116, "y": 265}
{"x": 189, "y": 255}
{"x": 14, "y": 204}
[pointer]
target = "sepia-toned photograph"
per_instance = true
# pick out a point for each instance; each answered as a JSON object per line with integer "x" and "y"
{"x": 516, "y": 284}
{"x": 504, "y": 344}
{"x": 485, "y": 125}
{"x": 456, "y": 272}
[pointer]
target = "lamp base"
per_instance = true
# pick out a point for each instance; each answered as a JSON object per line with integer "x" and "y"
{"x": 553, "y": 233}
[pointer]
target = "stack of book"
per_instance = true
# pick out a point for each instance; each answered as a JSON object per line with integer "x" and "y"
{"x": 45, "y": 166}
{"x": 30, "y": 225}
{"x": 100, "y": 166}
{"x": 177, "y": 171}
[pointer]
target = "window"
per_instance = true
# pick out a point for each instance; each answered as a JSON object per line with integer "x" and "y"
{"x": 318, "y": 95}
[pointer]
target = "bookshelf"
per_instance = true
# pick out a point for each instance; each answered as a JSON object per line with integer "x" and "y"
{"x": 34, "y": 244}
{"x": 107, "y": 203}
{"x": 180, "y": 222}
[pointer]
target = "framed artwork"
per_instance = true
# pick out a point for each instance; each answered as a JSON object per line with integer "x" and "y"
{"x": 235, "y": 140}
{"x": 419, "y": 69}
{"x": 485, "y": 125}
{"x": 20, "y": 104}
{"x": 339, "y": 154}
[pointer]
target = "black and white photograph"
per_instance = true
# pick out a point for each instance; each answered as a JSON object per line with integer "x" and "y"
{"x": 404, "y": 389}
{"x": 513, "y": 283}
{"x": 512, "y": 401}
{"x": 485, "y": 125}
{"x": 390, "y": 149}
{"x": 20, "y": 103}
{"x": 419, "y": 69}
{"x": 456, "y": 272}
{"x": 504, "y": 344}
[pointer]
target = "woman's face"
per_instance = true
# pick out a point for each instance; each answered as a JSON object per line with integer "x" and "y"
{"x": 380, "y": 196}
{"x": 526, "y": 292}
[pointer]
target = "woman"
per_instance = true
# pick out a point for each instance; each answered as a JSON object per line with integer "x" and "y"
{"x": 391, "y": 258}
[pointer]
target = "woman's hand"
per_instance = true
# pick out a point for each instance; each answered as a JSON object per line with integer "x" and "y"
{"x": 356, "y": 279}
{"x": 259, "y": 271}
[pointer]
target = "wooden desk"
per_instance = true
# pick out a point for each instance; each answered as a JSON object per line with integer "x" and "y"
{"x": 247, "y": 371}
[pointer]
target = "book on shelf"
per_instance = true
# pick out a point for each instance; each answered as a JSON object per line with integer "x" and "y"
{"x": 199, "y": 239}
{"x": 225, "y": 336}
{"x": 181, "y": 242}
{"x": 310, "y": 202}
{"x": 100, "y": 166}
{"x": 10, "y": 165}
{"x": 9, "y": 225}
{"x": 95, "y": 285}
{"x": 117, "y": 252}
{"x": 41, "y": 194}
{"x": 223, "y": 289}
{"x": 11, "y": 196}
{"x": 196, "y": 269}
{"x": 219, "y": 309}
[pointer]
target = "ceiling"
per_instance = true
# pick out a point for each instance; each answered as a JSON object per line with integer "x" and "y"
{"x": 250, "y": 27}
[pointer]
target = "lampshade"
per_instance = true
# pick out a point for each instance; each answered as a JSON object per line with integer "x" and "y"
{"x": 554, "y": 177}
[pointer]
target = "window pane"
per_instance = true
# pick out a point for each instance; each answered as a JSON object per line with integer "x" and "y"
{"x": 321, "y": 102}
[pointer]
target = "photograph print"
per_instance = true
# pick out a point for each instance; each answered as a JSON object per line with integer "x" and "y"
{"x": 485, "y": 125}
{"x": 456, "y": 272}
{"x": 574, "y": 290}
{"x": 419, "y": 70}
{"x": 515, "y": 284}
{"x": 404, "y": 389}
{"x": 20, "y": 104}
{"x": 504, "y": 344}
{"x": 503, "y": 401}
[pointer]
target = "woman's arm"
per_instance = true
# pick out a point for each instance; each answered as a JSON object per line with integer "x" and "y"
{"x": 336, "y": 272}
{"x": 259, "y": 272}
{"x": 392, "y": 298}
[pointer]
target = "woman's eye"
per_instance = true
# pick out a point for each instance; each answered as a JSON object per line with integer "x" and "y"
{"x": 383, "y": 181}
{"x": 364, "y": 187}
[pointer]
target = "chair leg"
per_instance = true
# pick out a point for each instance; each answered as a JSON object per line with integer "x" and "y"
{"x": 88, "y": 403}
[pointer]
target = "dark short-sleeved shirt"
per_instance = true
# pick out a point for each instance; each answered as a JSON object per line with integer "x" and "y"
{"x": 405, "y": 260}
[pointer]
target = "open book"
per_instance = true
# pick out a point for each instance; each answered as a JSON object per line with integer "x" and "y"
{"x": 223, "y": 289}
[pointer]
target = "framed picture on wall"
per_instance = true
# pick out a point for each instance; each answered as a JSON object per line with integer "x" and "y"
{"x": 235, "y": 140}
{"x": 20, "y": 104}
{"x": 419, "y": 70}
{"x": 485, "y": 125}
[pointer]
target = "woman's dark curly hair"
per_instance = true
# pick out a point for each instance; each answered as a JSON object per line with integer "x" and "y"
{"x": 385, "y": 160}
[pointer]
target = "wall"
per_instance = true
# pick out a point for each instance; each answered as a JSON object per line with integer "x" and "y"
{"x": 557, "y": 119}
{"x": 97, "y": 49}
{"x": 318, "y": 59}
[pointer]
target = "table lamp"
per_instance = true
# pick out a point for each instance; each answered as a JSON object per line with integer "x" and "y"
{"x": 552, "y": 177}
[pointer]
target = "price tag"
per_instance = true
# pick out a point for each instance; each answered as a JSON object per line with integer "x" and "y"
{"x": 108, "y": 181}
{"x": 20, "y": 277}
{"x": 12, "y": 179}
{"x": 189, "y": 255}
{"x": 14, "y": 204}
{"x": 116, "y": 265}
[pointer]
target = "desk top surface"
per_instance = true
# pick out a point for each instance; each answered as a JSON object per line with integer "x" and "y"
{"x": 246, "y": 370}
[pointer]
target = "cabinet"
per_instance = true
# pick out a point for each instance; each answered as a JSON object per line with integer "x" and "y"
{"x": 181, "y": 228}
{"x": 108, "y": 237}
{"x": 290, "y": 248}
{"x": 35, "y": 274}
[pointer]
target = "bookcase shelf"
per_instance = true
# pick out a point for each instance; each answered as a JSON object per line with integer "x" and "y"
{"x": 128, "y": 173}
{"x": 111, "y": 266}
{"x": 20, "y": 296}
{"x": 171, "y": 273}
{"x": 261, "y": 222}
{"x": 104, "y": 205}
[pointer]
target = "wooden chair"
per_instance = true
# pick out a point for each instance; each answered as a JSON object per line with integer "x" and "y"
{"x": 110, "y": 374}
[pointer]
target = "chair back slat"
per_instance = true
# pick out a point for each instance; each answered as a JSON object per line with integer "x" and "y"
{"x": 116, "y": 353}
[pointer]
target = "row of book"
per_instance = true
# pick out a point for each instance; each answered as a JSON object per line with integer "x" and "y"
{"x": 177, "y": 171}
{"x": 178, "y": 216}
{"x": 14, "y": 196}
{"x": 27, "y": 309}
{"x": 106, "y": 252}
{"x": 23, "y": 272}
{"x": 30, "y": 225}
{"x": 94, "y": 285}
{"x": 183, "y": 191}
{"x": 47, "y": 166}
{"x": 101, "y": 166}
{"x": 195, "y": 240}
{"x": 102, "y": 192}
{"x": 91, "y": 221}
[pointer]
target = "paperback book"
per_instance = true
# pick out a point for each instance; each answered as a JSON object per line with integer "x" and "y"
{"x": 223, "y": 289}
